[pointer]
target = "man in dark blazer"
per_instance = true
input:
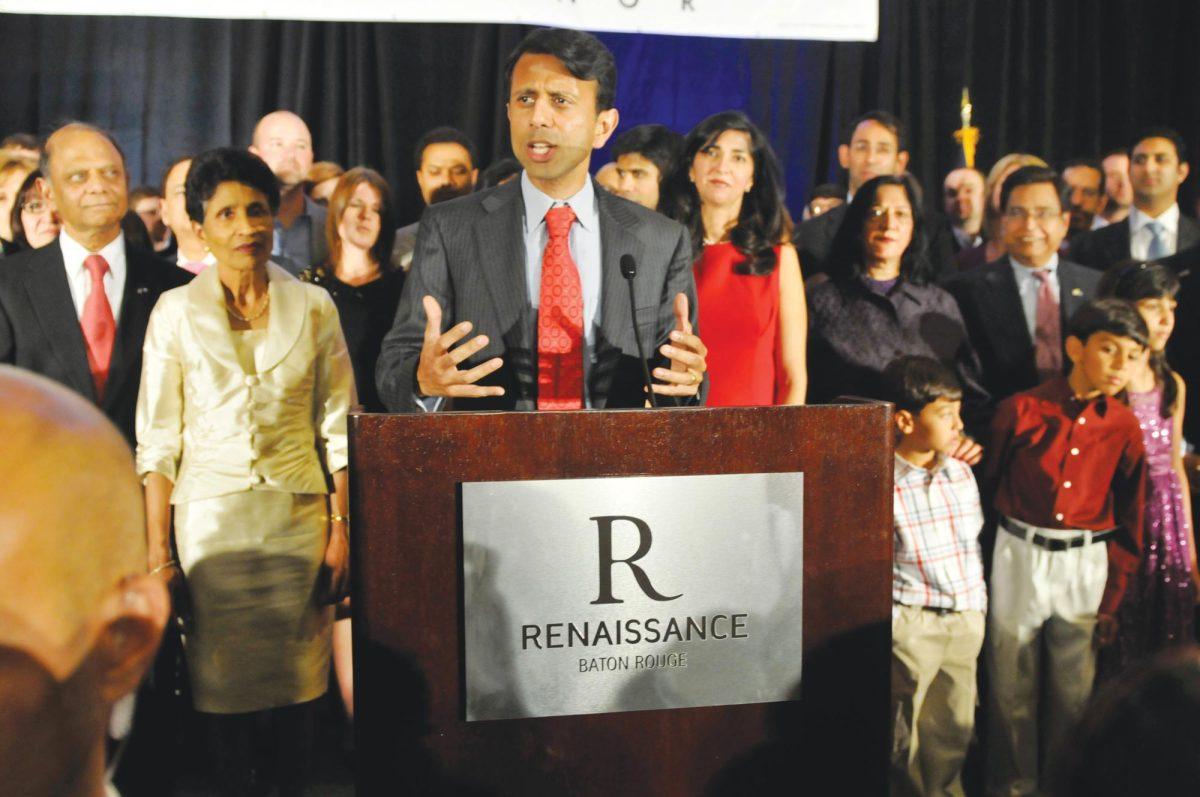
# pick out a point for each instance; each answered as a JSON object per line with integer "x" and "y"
{"x": 1155, "y": 227}
{"x": 480, "y": 261}
{"x": 44, "y": 299}
{"x": 999, "y": 301}
{"x": 42, "y": 294}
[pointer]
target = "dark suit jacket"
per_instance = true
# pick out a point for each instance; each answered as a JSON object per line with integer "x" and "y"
{"x": 1109, "y": 245}
{"x": 470, "y": 256}
{"x": 814, "y": 238}
{"x": 991, "y": 307}
{"x": 40, "y": 331}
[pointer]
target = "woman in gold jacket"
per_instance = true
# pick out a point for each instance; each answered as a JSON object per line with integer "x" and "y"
{"x": 241, "y": 430}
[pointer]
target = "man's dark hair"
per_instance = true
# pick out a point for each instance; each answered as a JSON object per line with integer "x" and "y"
{"x": 21, "y": 141}
{"x": 888, "y": 120}
{"x": 915, "y": 381}
{"x": 1115, "y": 151}
{"x": 658, "y": 144}
{"x": 828, "y": 191}
{"x": 142, "y": 192}
{"x": 846, "y": 250}
{"x": 1032, "y": 175}
{"x": 45, "y": 158}
{"x": 227, "y": 165}
{"x": 162, "y": 184}
{"x": 1086, "y": 163}
{"x": 1161, "y": 132}
{"x": 497, "y": 172}
{"x": 581, "y": 53}
{"x": 1115, "y": 316}
{"x": 444, "y": 135}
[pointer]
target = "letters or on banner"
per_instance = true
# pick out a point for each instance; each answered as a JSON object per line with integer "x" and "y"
{"x": 831, "y": 20}
{"x": 584, "y": 596}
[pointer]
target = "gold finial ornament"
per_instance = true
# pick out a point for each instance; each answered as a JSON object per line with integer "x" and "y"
{"x": 967, "y": 136}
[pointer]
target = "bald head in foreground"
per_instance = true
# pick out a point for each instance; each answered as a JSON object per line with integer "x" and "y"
{"x": 80, "y": 619}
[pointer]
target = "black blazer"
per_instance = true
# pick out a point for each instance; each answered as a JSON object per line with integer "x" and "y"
{"x": 470, "y": 256}
{"x": 1109, "y": 245}
{"x": 991, "y": 307}
{"x": 40, "y": 331}
{"x": 813, "y": 240}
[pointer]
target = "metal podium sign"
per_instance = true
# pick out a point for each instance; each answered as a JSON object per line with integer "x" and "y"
{"x": 587, "y": 596}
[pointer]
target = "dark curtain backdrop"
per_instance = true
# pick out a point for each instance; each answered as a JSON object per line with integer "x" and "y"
{"x": 1060, "y": 78}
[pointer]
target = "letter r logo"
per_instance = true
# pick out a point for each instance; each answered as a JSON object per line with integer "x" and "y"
{"x": 605, "y": 528}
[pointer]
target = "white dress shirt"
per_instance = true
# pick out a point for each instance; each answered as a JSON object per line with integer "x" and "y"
{"x": 1140, "y": 236}
{"x": 80, "y": 281}
{"x": 1028, "y": 286}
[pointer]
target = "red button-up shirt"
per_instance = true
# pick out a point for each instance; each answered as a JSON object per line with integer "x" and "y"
{"x": 1060, "y": 462}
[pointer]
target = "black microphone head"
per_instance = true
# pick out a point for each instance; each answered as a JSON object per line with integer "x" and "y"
{"x": 628, "y": 266}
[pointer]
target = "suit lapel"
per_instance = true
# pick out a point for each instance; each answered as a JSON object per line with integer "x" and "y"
{"x": 500, "y": 245}
{"x": 1006, "y": 321}
{"x": 136, "y": 304}
{"x": 1119, "y": 249}
{"x": 50, "y": 298}
{"x": 1071, "y": 292}
{"x": 289, "y": 311}
{"x": 615, "y": 330}
{"x": 208, "y": 319}
{"x": 1189, "y": 234}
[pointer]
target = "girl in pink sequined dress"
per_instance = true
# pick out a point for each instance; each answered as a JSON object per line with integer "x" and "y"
{"x": 1158, "y": 608}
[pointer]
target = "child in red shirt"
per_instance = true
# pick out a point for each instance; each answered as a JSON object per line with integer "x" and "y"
{"x": 1068, "y": 470}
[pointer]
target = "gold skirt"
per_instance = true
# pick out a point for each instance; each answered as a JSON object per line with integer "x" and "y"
{"x": 251, "y": 562}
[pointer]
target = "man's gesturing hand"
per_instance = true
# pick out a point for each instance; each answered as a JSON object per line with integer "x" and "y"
{"x": 686, "y": 353}
{"x": 437, "y": 370}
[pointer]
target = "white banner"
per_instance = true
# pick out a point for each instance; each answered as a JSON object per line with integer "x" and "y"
{"x": 829, "y": 20}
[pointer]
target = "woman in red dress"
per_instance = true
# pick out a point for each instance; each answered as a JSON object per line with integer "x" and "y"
{"x": 748, "y": 284}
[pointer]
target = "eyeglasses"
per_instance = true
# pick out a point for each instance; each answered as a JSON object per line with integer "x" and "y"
{"x": 1037, "y": 214}
{"x": 878, "y": 214}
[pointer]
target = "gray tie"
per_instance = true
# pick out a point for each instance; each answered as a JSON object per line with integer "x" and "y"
{"x": 1158, "y": 244}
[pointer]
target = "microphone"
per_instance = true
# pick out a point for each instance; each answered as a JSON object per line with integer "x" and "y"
{"x": 629, "y": 271}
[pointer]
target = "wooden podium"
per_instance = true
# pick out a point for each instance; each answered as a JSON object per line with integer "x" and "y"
{"x": 411, "y": 732}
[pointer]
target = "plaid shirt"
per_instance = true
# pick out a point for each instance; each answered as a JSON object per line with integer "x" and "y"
{"x": 937, "y": 520}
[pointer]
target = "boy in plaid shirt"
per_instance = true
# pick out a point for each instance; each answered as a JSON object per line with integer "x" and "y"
{"x": 938, "y": 592}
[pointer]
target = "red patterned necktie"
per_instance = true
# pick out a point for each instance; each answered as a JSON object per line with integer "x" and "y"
{"x": 1047, "y": 331}
{"x": 99, "y": 328}
{"x": 560, "y": 319}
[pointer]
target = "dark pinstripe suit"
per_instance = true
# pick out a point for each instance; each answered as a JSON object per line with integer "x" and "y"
{"x": 470, "y": 256}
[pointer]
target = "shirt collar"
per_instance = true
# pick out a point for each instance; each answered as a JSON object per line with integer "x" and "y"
{"x": 1169, "y": 219}
{"x": 904, "y": 468}
{"x": 583, "y": 202}
{"x": 1027, "y": 271}
{"x": 1059, "y": 390}
{"x": 74, "y": 253}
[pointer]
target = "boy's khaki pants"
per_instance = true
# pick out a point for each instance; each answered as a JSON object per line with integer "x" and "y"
{"x": 933, "y": 697}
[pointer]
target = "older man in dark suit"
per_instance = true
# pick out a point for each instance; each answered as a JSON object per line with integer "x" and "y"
{"x": 76, "y": 310}
{"x": 1155, "y": 227}
{"x": 1016, "y": 308}
{"x": 535, "y": 266}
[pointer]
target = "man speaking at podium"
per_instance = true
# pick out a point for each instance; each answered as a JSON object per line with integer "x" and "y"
{"x": 535, "y": 267}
